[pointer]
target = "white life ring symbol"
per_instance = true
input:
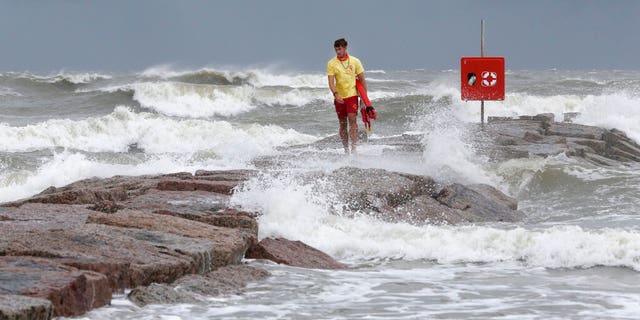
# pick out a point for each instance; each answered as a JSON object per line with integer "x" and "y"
{"x": 489, "y": 78}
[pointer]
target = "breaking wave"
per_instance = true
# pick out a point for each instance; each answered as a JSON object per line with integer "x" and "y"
{"x": 295, "y": 211}
{"x": 72, "y": 78}
{"x": 253, "y": 77}
{"x": 195, "y": 101}
{"x": 152, "y": 133}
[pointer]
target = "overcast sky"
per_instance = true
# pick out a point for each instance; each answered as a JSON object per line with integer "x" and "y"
{"x": 114, "y": 35}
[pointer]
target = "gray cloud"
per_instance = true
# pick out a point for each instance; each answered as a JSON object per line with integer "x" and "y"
{"x": 288, "y": 34}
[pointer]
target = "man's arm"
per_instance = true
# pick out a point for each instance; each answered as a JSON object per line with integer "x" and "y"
{"x": 332, "y": 86}
{"x": 364, "y": 83}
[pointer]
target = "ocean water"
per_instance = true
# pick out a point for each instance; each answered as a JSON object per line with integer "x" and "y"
{"x": 575, "y": 256}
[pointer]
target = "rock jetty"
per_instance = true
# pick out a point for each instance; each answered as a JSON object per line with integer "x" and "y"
{"x": 174, "y": 237}
{"x": 76, "y": 245}
{"x": 541, "y": 135}
{"x": 505, "y": 138}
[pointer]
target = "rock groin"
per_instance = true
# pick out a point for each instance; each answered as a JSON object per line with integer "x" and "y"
{"x": 75, "y": 245}
{"x": 541, "y": 135}
{"x": 419, "y": 200}
{"x": 173, "y": 237}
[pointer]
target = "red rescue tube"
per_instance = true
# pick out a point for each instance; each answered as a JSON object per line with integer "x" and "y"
{"x": 365, "y": 118}
{"x": 369, "y": 114}
{"x": 363, "y": 93}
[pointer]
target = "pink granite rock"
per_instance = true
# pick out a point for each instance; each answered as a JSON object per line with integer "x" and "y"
{"x": 72, "y": 292}
{"x": 293, "y": 253}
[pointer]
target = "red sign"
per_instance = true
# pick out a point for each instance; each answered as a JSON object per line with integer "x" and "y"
{"x": 482, "y": 78}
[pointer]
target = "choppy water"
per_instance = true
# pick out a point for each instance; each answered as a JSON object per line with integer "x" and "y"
{"x": 576, "y": 255}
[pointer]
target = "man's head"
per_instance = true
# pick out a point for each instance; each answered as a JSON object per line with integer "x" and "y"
{"x": 340, "y": 46}
{"x": 340, "y": 43}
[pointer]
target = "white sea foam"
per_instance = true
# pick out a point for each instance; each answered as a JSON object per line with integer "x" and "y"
{"x": 68, "y": 167}
{"x": 190, "y": 100}
{"x": 164, "y": 71}
{"x": 261, "y": 87}
{"x": 170, "y": 146}
{"x": 255, "y": 77}
{"x": 448, "y": 155}
{"x": 73, "y": 77}
{"x": 264, "y": 78}
{"x": 376, "y": 95}
{"x": 204, "y": 101}
{"x": 588, "y": 172}
{"x": 517, "y": 174}
{"x": 517, "y": 104}
{"x": 467, "y": 291}
{"x": 370, "y": 79}
{"x": 6, "y": 91}
{"x": 152, "y": 133}
{"x": 593, "y": 80}
{"x": 108, "y": 89}
{"x": 618, "y": 110}
{"x": 443, "y": 87}
{"x": 293, "y": 210}
{"x": 295, "y": 97}
{"x": 79, "y": 78}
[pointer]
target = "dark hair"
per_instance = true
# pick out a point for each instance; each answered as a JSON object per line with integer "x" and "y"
{"x": 340, "y": 43}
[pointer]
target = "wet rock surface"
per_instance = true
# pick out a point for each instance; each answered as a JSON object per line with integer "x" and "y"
{"x": 189, "y": 289}
{"x": 76, "y": 245}
{"x": 17, "y": 307}
{"x": 541, "y": 135}
{"x": 401, "y": 197}
{"x": 293, "y": 253}
{"x": 480, "y": 202}
{"x": 69, "y": 290}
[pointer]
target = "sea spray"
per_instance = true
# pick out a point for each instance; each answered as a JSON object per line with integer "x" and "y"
{"x": 625, "y": 117}
{"x": 67, "y": 167}
{"x": 448, "y": 153}
{"x": 294, "y": 209}
{"x": 189, "y": 100}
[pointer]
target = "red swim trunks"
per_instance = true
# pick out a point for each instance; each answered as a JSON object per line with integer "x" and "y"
{"x": 350, "y": 105}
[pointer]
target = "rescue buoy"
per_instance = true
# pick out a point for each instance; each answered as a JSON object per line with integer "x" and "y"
{"x": 489, "y": 78}
{"x": 366, "y": 108}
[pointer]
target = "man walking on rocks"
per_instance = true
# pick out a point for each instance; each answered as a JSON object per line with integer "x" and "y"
{"x": 343, "y": 71}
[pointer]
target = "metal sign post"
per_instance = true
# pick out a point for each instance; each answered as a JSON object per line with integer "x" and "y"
{"x": 482, "y": 78}
{"x": 482, "y": 55}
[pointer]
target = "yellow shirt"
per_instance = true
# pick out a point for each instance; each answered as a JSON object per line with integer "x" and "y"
{"x": 345, "y": 73}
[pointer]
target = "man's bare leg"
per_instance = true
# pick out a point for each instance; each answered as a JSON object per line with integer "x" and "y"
{"x": 343, "y": 135}
{"x": 353, "y": 131}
